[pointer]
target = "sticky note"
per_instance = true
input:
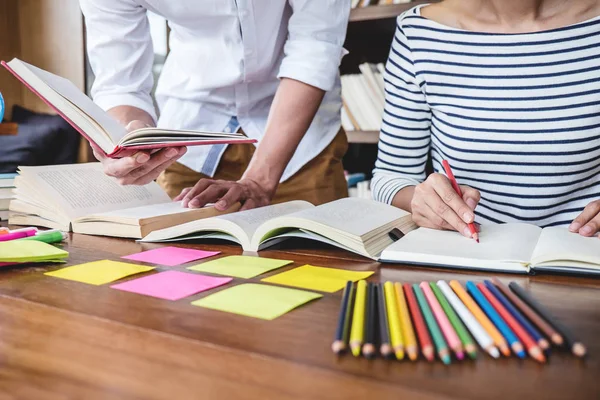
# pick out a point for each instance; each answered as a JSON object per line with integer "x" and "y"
{"x": 240, "y": 266}
{"x": 256, "y": 300}
{"x": 170, "y": 256}
{"x": 20, "y": 251}
{"x": 317, "y": 278}
{"x": 99, "y": 272}
{"x": 171, "y": 285}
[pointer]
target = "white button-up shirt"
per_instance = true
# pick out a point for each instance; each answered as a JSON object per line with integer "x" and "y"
{"x": 225, "y": 60}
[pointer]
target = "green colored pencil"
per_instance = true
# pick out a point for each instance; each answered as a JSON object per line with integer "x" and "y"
{"x": 434, "y": 329}
{"x": 459, "y": 327}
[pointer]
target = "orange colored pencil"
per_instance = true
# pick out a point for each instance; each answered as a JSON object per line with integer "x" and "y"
{"x": 420, "y": 327}
{"x": 408, "y": 333}
{"x": 481, "y": 317}
{"x": 532, "y": 348}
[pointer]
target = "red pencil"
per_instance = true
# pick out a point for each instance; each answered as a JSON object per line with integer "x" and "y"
{"x": 454, "y": 184}
{"x": 532, "y": 348}
{"x": 419, "y": 323}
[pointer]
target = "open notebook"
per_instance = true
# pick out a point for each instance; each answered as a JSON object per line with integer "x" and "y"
{"x": 81, "y": 198}
{"x": 514, "y": 247}
{"x": 97, "y": 126}
{"x": 358, "y": 225}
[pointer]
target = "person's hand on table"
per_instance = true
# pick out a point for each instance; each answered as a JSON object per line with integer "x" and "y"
{"x": 436, "y": 205}
{"x": 141, "y": 167}
{"x": 225, "y": 194}
{"x": 588, "y": 222}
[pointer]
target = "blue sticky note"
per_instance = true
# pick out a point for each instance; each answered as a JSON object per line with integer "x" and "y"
{"x": 1, "y": 107}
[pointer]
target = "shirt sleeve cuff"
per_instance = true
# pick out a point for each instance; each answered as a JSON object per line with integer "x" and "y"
{"x": 313, "y": 62}
{"x": 108, "y": 101}
{"x": 386, "y": 188}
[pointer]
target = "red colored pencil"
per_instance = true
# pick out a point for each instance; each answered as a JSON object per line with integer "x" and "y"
{"x": 456, "y": 188}
{"x": 419, "y": 323}
{"x": 532, "y": 348}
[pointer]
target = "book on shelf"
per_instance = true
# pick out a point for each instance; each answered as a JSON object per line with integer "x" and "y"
{"x": 363, "y": 99}
{"x": 100, "y": 128}
{"x": 357, "y": 225}
{"x": 7, "y": 183}
{"x": 511, "y": 247}
{"x": 82, "y": 199}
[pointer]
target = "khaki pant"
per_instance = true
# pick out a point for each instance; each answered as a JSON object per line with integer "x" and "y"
{"x": 319, "y": 181}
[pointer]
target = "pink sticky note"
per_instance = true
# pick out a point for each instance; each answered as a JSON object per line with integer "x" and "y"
{"x": 171, "y": 285}
{"x": 171, "y": 256}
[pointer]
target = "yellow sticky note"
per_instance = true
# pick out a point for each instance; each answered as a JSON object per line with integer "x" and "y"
{"x": 21, "y": 251}
{"x": 240, "y": 266}
{"x": 317, "y": 278}
{"x": 99, "y": 272}
{"x": 257, "y": 301}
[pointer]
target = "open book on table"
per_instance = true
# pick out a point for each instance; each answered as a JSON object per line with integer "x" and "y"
{"x": 81, "y": 198}
{"x": 358, "y": 225}
{"x": 97, "y": 126}
{"x": 513, "y": 247}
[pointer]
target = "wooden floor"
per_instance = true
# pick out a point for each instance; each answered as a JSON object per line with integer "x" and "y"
{"x": 62, "y": 339}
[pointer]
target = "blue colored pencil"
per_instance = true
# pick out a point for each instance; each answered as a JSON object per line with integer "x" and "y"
{"x": 535, "y": 334}
{"x": 496, "y": 319}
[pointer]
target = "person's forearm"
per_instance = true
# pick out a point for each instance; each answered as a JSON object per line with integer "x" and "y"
{"x": 126, "y": 114}
{"x": 293, "y": 109}
{"x": 403, "y": 198}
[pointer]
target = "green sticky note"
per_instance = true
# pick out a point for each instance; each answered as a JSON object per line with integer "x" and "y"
{"x": 99, "y": 272}
{"x": 21, "y": 251}
{"x": 240, "y": 266}
{"x": 256, "y": 300}
{"x": 317, "y": 278}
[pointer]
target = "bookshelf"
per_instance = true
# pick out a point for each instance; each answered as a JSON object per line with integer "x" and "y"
{"x": 369, "y": 37}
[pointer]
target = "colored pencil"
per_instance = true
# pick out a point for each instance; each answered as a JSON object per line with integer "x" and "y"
{"x": 530, "y": 313}
{"x": 479, "y": 333}
{"x": 456, "y": 188}
{"x": 419, "y": 323}
{"x": 408, "y": 333}
{"x": 528, "y": 326}
{"x": 527, "y": 341}
{"x": 442, "y": 319}
{"x": 467, "y": 341}
{"x": 508, "y": 334}
{"x": 369, "y": 349}
{"x": 357, "y": 332}
{"x": 573, "y": 344}
{"x": 434, "y": 329}
{"x": 490, "y": 328}
{"x": 340, "y": 342}
{"x": 396, "y": 338}
{"x": 385, "y": 347}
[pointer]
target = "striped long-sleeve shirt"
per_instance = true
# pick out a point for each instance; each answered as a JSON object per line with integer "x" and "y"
{"x": 516, "y": 115}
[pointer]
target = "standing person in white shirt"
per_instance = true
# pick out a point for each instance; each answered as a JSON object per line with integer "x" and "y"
{"x": 266, "y": 68}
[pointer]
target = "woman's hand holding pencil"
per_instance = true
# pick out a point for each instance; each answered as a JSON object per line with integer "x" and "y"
{"x": 439, "y": 203}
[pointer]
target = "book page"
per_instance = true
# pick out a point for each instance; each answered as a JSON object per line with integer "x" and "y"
{"x": 558, "y": 244}
{"x": 502, "y": 242}
{"x": 83, "y": 189}
{"x": 352, "y": 215}
{"x": 69, "y": 91}
{"x": 141, "y": 212}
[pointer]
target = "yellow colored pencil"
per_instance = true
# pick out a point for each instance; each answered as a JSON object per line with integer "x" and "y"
{"x": 481, "y": 317}
{"x": 394, "y": 320}
{"x": 408, "y": 333}
{"x": 357, "y": 332}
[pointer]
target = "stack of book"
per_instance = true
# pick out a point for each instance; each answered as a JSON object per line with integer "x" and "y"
{"x": 7, "y": 184}
{"x": 363, "y": 98}
{"x": 366, "y": 3}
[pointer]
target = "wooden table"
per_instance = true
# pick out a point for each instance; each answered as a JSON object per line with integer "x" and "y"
{"x": 63, "y": 339}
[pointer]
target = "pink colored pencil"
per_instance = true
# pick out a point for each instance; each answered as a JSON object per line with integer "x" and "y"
{"x": 449, "y": 333}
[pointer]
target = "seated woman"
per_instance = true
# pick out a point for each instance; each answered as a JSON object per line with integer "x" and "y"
{"x": 508, "y": 91}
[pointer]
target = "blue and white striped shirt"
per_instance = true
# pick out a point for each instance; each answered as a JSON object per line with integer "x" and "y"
{"x": 516, "y": 115}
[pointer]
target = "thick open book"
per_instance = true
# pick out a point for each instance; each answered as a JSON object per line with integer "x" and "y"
{"x": 354, "y": 224}
{"x": 514, "y": 247}
{"x": 81, "y": 198}
{"x": 97, "y": 126}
